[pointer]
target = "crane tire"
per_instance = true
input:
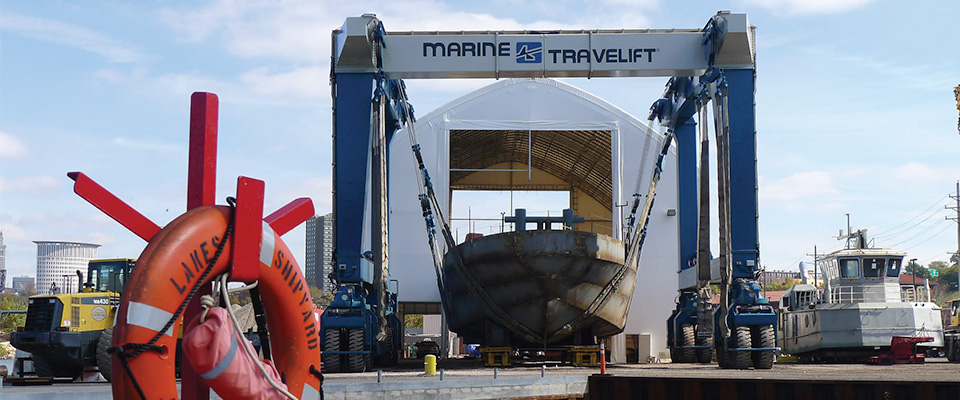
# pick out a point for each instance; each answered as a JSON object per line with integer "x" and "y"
{"x": 358, "y": 362}
{"x": 763, "y": 337}
{"x": 688, "y": 333}
{"x": 705, "y": 355}
{"x": 742, "y": 359}
{"x": 332, "y": 362}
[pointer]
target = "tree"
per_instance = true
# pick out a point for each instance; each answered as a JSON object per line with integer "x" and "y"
{"x": 915, "y": 269}
{"x": 321, "y": 299}
{"x": 8, "y": 302}
{"x": 413, "y": 321}
{"x": 29, "y": 289}
{"x": 786, "y": 284}
{"x": 948, "y": 277}
{"x": 937, "y": 265}
{"x": 240, "y": 298}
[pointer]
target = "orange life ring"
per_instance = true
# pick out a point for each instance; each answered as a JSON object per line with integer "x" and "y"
{"x": 166, "y": 272}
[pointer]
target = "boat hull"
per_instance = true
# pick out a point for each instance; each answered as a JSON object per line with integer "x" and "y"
{"x": 855, "y": 329}
{"x": 551, "y": 282}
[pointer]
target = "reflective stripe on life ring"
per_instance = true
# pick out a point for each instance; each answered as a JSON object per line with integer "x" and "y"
{"x": 169, "y": 268}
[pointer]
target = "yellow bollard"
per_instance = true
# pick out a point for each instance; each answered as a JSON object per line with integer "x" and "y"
{"x": 430, "y": 364}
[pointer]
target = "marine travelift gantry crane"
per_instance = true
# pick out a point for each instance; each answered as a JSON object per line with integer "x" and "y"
{"x": 369, "y": 104}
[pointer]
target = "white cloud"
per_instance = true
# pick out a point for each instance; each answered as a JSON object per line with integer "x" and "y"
{"x": 13, "y": 232}
{"x": 11, "y": 147}
{"x": 809, "y": 7}
{"x": 300, "y": 30}
{"x": 115, "y": 76}
{"x": 188, "y": 83}
{"x": 100, "y": 238}
{"x": 913, "y": 179}
{"x": 140, "y": 145}
{"x": 69, "y": 35}
{"x": 799, "y": 186}
{"x": 923, "y": 76}
{"x": 254, "y": 87}
{"x": 307, "y": 82}
{"x": 29, "y": 184}
{"x": 317, "y": 189}
{"x": 296, "y": 30}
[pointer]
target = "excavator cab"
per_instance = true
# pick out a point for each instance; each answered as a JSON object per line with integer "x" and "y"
{"x": 955, "y": 313}
{"x": 108, "y": 275}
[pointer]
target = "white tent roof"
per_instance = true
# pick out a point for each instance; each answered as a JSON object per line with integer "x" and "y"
{"x": 534, "y": 104}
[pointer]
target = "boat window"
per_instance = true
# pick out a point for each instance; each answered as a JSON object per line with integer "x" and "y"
{"x": 850, "y": 268}
{"x": 893, "y": 270}
{"x": 873, "y": 267}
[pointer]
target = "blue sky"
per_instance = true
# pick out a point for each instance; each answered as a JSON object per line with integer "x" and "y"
{"x": 854, "y": 100}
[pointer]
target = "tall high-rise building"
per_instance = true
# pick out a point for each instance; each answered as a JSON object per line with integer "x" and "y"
{"x": 319, "y": 255}
{"x": 58, "y": 263}
{"x": 3, "y": 263}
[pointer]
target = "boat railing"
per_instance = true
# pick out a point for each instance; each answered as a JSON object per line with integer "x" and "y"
{"x": 861, "y": 294}
{"x": 917, "y": 293}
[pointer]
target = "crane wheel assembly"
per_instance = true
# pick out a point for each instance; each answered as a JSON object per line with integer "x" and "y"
{"x": 188, "y": 253}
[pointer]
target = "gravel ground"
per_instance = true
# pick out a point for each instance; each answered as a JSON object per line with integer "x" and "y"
{"x": 938, "y": 370}
{"x": 935, "y": 370}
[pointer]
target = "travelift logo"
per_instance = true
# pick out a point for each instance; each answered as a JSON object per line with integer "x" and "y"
{"x": 533, "y": 52}
{"x": 529, "y": 52}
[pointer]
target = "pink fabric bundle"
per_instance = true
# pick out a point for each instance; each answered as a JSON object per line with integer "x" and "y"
{"x": 213, "y": 349}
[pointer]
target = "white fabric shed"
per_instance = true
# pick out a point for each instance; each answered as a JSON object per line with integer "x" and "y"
{"x": 540, "y": 105}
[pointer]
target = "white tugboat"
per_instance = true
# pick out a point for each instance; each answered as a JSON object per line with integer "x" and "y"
{"x": 860, "y": 309}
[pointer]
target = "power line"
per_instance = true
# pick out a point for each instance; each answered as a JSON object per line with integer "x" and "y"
{"x": 934, "y": 258}
{"x": 940, "y": 222}
{"x": 914, "y": 226}
{"x": 929, "y": 238}
{"x": 935, "y": 203}
{"x": 894, "y": 233}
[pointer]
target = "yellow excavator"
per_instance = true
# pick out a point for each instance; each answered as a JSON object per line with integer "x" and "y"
{"x": 951, "y": 333}
{"x": 69, "y": 332}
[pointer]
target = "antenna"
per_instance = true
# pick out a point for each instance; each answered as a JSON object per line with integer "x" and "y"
{"x": 848, "y": 225}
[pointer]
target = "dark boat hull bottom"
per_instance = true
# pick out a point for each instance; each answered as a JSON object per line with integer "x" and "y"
{"x": 550, "y": 282}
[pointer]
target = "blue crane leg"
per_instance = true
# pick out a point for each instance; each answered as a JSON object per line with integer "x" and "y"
{"x": 351, "y": 175}
{"x": 743, "y": 172}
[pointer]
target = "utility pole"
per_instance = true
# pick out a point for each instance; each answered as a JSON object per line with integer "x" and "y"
{"x": 957, "y": 218}
{"x": 913, "y": 264}
{"x": 816, "y": 260}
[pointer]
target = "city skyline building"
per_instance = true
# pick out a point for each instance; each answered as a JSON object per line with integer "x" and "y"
{"x": 3, "y": 264}
{"x": 19, "y": 284}
{"x": 319, "y": 252}
{"x": 58, "y": 263}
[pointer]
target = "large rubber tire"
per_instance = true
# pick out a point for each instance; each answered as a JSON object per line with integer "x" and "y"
{"x": 763, "y": 337}
{"x": 331, "y": 362}
{"x": 705, "y": 355}
{"x": 42, "y": 367}
{"x": 359, "y": 362}
{"x": 45, "y": 369}
{"x": 953, "y": 349}
{"x": 723, "y": 358}
{"x": 742, "y": 359}
{"x": 103, "y": 357}
{"x": 688, "y": 336}
{"x": 389, "y": 357}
